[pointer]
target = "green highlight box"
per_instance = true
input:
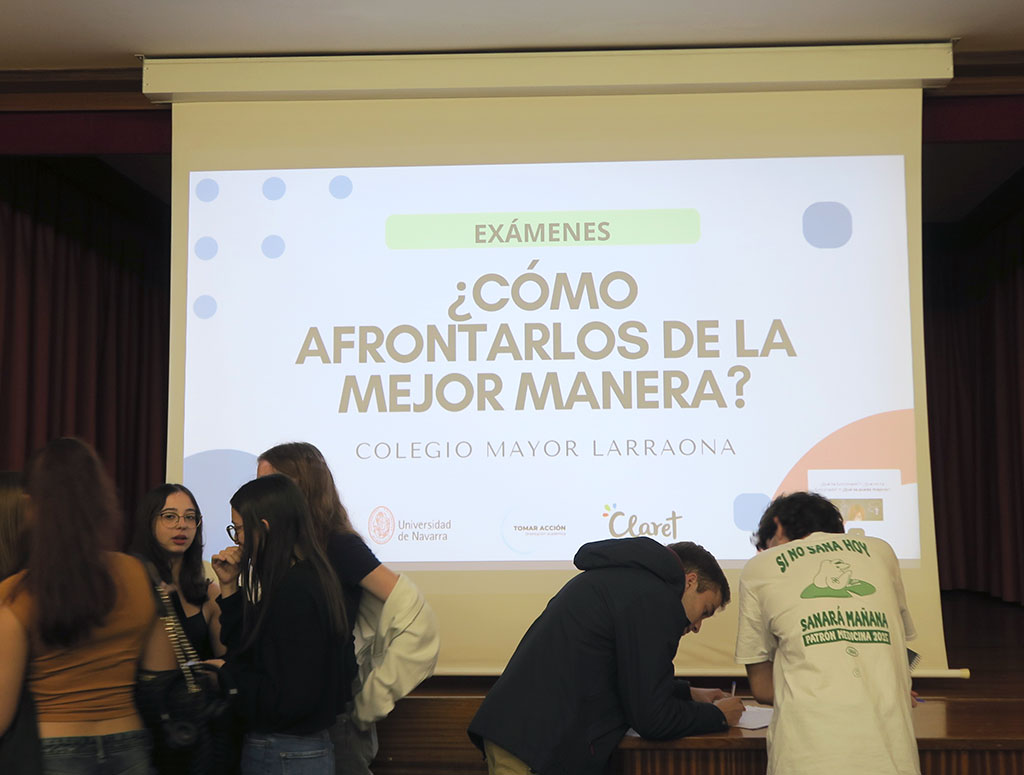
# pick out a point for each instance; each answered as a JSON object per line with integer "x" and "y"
{"x": 570, "y": 228}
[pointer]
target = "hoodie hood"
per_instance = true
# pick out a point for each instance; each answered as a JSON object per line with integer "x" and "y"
{"x": 645, "y": 553}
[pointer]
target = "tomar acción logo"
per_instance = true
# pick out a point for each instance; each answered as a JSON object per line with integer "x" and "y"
{"x": 621, "y": 524}
{"x": 381, "y": 524}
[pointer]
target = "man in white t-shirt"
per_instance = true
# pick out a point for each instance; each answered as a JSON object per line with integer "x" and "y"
{"x": 823, "y": 622}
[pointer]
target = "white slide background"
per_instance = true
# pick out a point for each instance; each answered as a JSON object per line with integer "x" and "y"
{"x": 809, "y": 254}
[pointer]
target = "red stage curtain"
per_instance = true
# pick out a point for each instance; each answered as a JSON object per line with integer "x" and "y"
{"x": 974, "y": 343}
{"x": 84, "y": 265}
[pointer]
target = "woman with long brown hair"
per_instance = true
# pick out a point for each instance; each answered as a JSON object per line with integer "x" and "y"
{"x": 79, "y": 620}
{"x": 169, "y": 534}
{"x": 283, "y": 621}
{"x": 395, "y": 614}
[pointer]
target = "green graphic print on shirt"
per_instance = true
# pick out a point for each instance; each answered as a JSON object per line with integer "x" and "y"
{"x": 834, "y": 579}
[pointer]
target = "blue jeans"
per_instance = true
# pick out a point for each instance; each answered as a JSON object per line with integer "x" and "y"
{"x": 354, "y": 749}
{"x": 274, "y": 754}
{"x": 125, "y": 753}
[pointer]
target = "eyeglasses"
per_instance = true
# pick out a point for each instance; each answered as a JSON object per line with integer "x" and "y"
{"x": 234, "y": 533}
{"x": 171, "y": 518}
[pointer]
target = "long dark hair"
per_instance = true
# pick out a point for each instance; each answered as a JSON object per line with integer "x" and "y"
{"x": 192, "y": 582}
{"x": 13, "y": 536}
{"x": 75, "y": 517}
{"x": 305, "y": 464}
{"x": 268, "y": 553}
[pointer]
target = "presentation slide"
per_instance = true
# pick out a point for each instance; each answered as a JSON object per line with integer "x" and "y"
{"x": 503, "y": 362}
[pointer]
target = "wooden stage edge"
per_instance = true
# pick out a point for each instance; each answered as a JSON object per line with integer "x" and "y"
{"x": 426, "y": 734}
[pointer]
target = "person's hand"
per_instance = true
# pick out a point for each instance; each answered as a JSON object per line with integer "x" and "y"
{"x": 731, "y": 707}
{"x": 915, "y": 698}
{"x": 208, "y": 676}
{"x": 706, "y": 695}
{"x": 227, "y": 564}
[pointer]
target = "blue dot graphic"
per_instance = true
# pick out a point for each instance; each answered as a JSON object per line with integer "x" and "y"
{"x": 747, "y": 509}
{"x": 273, "y": 246}
{"x": 828, "y": 224}
{"x": 205, "y": 307}
{"x": 213, "y": 475}
{"x": 340, "y": 186}
{"x": 206, "y": 248}
{"x": 273, "y": 188}
{"x": 207, "y": 190}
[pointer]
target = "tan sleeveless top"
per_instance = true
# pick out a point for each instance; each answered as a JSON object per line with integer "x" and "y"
{"x": 95, "y": 679}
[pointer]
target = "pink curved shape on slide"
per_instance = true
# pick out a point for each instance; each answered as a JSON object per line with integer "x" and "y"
{"x": 881, "y": 441}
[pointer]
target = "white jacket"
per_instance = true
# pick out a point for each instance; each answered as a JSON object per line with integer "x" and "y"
{"x": 397, "y": 643}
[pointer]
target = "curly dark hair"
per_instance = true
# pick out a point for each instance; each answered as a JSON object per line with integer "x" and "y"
{"x": 800, "y": 514}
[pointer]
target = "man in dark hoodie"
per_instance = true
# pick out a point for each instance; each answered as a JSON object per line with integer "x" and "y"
{"x": 598, "y": 660}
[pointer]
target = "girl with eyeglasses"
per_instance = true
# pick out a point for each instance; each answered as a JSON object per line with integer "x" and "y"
{"x": 283, "y": 620}
{"x": 169, "y": 533}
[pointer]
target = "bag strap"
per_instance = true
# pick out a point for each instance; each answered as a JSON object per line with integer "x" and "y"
{"x": 184, "y": 652}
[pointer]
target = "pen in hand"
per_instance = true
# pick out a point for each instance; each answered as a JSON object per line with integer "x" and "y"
{"x": 733, "y": 693}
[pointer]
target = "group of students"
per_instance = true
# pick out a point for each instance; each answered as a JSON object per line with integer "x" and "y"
{"x": 280, "y": 626}
{"x": 316, "y": 639}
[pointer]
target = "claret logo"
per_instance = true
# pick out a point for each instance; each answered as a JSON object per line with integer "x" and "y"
{"x": 621, "y": 524}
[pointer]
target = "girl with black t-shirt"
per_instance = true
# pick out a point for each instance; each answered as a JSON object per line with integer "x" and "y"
{"x": 283, "y": 621}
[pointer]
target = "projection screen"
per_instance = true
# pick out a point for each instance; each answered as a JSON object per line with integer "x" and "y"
{"x": 522, "y": 302}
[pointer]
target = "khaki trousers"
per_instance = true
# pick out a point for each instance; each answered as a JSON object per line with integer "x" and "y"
{"x": 501, "y": 762}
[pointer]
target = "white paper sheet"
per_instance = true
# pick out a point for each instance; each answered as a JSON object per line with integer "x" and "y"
{"x": 755, "y": 717}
